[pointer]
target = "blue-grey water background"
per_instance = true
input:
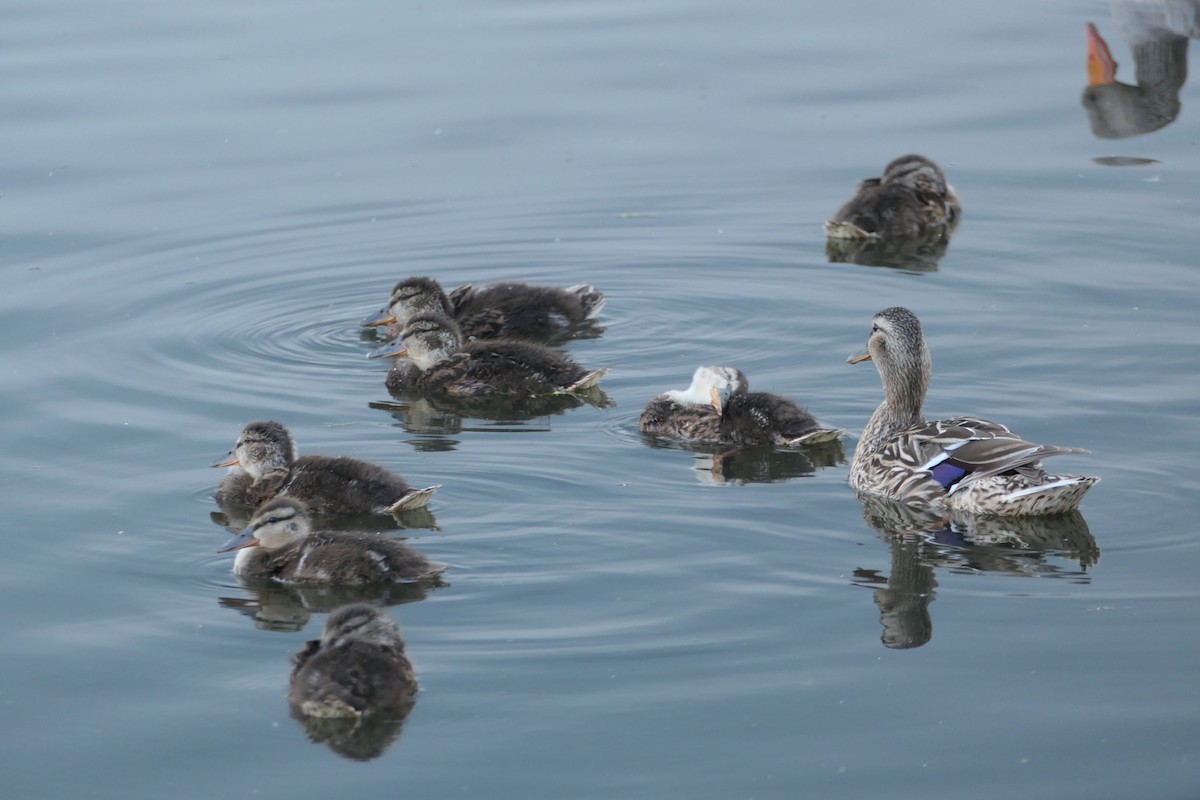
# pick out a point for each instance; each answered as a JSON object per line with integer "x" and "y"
{"x": 201, "y": 199}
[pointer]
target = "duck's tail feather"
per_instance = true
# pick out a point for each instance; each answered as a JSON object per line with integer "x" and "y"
{"x": 416, "y": 498}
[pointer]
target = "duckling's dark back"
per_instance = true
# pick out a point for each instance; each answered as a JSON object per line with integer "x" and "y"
{"x": 763, "y": 418}
{"x": 353, "y": 675}
{"x": 345, "y": 558}
{"x": 514, "y": 309}
{"x": 499, "y": 368}
{"x": 343, "y": 485}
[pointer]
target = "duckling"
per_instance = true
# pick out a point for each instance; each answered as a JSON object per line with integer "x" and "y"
{"x": 280, "y": 544}
{"x": 441, "y": 363}
{"x": 755, "y": 418}
{"x": 357, "y": 668}
{"x": 328, "y": 485}
{"x": 690, "y": 413}
{"x": 719, "y": 407}
{"x": 965, "y": 464}
{"x": 501, "y": 310}
{"x": 910, "y": 199}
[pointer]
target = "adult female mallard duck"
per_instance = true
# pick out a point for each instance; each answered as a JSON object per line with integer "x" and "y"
{"x": 280, "y": 544}
{"x": 357, "y": 668}
{"x": 501, "y": 310}
{"x": 911, "y": 199}
{"x": 964, "y": 463}
{"x": 440, "y": 362}
{"x": 328, "y": 485}
{"x": 719, "y": 407}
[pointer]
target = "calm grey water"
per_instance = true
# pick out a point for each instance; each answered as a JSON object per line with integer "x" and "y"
{"x": 200, "y": 201}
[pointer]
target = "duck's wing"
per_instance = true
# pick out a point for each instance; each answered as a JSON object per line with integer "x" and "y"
{"x": 460, "y": 296}
{"x": 485, "y": 323}
{"x": 958, "y": 451}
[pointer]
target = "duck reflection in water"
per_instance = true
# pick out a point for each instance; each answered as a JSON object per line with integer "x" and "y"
{"x": 725, "y": 466}
{"x": 1157, "y": 32}
{"x": 903, "y": 219}
{"x": 445, "y": 415}
{"x": 288, "y": 607}
{"x": 922, "y": 540}
{"x": 353, "y": 688}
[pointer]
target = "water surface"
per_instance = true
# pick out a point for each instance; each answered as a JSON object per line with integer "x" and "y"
{"x": 202, "y": 200}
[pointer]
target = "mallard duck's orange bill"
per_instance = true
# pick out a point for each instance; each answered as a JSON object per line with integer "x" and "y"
{"x": 383, "y": 316}
{"x": 230, "y": 459}
{"x": 1101, "y": 68}
{"x": 859, "y": 358}
{"x": 243, "y": 539}
{"x": 390, "y": 350}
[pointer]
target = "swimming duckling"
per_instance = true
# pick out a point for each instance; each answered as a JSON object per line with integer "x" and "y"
{"x": 756, "y": 418}
{"x": 328, "y": 485}
{"x": 279, "y": 543}
{"x": 690, "y": 413}
{"x": 964, "y": 463}
{"x": 357, "y": 668}
{"x": 501, "y": 310}
{"x": 719, "y": 407}
{"x": 440, "y": 362}
{"x": 910, "y": 199}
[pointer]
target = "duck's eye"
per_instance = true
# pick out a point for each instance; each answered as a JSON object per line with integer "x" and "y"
{"x": 875, "y": 328}
{"x": 273, "y": 520}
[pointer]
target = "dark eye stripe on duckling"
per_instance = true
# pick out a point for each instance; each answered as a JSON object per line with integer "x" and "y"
{"x": 283, "y": 515}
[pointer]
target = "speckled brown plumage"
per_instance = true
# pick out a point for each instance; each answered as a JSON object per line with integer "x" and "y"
{"x": 357, "y": 668}
{"x": 961, "y": 463}
{"x": 441, "y": 363}
{"x": 329, "y": 485}
{"x": 501, "y": 310}
{"x": 910, "y": 199}
{"x": 279, "y": 544}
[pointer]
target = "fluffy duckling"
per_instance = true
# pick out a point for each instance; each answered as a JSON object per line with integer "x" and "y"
{"x": 328, "y": 485}
{"x": 754, "y": 418}
{"x": 357, "y": 668}
{"x": 719, "y": 407}
{"x": 441, "y": 363}
{"x": 280, "y": 544}
{"x": 912, "y": 198}
{"x": 689, "y": 413}
{"x": 501, "y": 310}
{"x": 964, "y": 463}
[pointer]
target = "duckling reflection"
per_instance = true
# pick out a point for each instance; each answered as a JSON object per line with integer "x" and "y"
{"x": 719, "y": 465}
{"x": 910, "y": 199}
{"x": 279, "y": 543}
{"x": 499, "y": 311}
{"x": 274, "y": 606}
{"x": 923, "y": 540}
{"x": 1157, "y": 32}
{"x": 265, "y": 457}
{"x": 446, "y": 415}
{"x": 915, "y": 254}
{"x": 354, "y": 687}
{"x": 441, "y": 363}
